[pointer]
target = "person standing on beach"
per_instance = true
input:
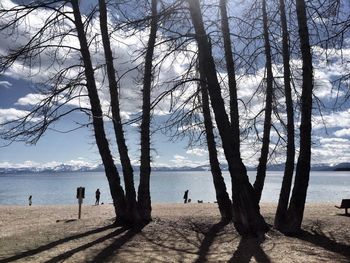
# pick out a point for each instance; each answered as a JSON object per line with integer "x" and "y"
{"x": 98, "y": 194}
{"x": 30, "y": 200}
{"x": 185, "y": 196}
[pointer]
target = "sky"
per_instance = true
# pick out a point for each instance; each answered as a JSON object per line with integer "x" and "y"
{"x": 18, "y": 93}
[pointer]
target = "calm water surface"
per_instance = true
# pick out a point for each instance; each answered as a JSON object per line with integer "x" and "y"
{"x": 166, "y": 187}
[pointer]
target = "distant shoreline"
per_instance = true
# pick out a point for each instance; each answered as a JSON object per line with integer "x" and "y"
{"x": 3, "y": 171}
{"x": 158, "y": 205}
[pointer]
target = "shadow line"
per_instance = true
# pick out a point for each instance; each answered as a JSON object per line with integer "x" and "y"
{"x": 54, "y": 243}
{"x": 249, "y": 247}
{"x": 71, "y": 252}
{"x": 319, "y": 239}
{"x": 208, "y": 240}
{"x": 113, "y": 248}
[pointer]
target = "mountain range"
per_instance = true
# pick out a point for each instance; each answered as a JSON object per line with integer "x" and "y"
{"x": 99, "y": 168}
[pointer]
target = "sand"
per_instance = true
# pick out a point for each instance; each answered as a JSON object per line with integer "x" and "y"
{"x": 178, "y": 233}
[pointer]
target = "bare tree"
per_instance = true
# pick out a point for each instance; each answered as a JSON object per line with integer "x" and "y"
{"x": 69, "y": 83}
{"x": 224, "y": 202}
{"x": 230, "y": 67}
{"x": 247, "y": 218}
{"x": 261, "y": 169}
{"x": 289, "y": 165}
{"x": 128, "y": 174}
{"x": 298, "y": 198}
{"x": 144, "y": 197}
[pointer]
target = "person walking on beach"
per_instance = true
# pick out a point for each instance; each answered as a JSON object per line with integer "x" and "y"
{"x": 30, "y": 200}
{"x": 185, "y": 196}
{"x": 98, "y": 194}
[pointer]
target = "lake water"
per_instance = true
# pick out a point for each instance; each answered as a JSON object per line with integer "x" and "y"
{"x": 166, "y": 187}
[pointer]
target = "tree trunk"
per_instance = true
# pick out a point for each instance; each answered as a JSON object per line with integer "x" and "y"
{"x": 297, "y": 203}
{"x": 247, "y": 218}
{"x": 224, "y": 202}
{"x": 117, "y": 192}
{"x": 282, "y": 207}
{"x": 144, "y": 197}
{"x": 230, "y": 66}
{"x": 133, "y": 215}
{"x": 261, "y": 170}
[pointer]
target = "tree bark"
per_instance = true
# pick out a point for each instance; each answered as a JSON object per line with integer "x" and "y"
{"x": 224, "y": 202}
{"x": 230, "y": 66}
{"x": 247, "y": 218}
{"x": 297, "y": 203}
{"x": 117, "y": 192}
{"x": 261, "y": 169}
{"x": 128, "y": 175}
{"x": 144, "y": 197}
{"x": 283, "y": 201}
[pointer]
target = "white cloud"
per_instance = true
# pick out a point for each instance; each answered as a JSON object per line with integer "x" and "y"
{"x": 330, "y": 150}
{"x": 11, "y": 114}
{"x": 30, "y": 99}
{"x": 333, "y": 141}
{"x": 125, "y": 52}
{"x": 180, "y": 161}
{"x": 342, "y": 132}
{"x": 5, "y": 84}
{"x": 197, "y": 152}
{"x": 336, "y": 119}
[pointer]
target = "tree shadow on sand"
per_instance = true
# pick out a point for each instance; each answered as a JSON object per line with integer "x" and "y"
{"x": 55, "y": 243}
{"x": 248, "y": 248}
{"x": 209, "y": 244}
{"x": 209, "y": 237}
{"x": 117, "y": 235}
{"x": 318, "y": 238}
{"x": 107, "y": 252}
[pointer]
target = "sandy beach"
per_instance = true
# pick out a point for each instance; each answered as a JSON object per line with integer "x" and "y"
{"x": 178, "y": 233}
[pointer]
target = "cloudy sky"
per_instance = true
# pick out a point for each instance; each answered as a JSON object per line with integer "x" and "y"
{"x": 18, "y": 93}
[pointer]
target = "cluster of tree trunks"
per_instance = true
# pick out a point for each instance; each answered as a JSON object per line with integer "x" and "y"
{"x": 302, "y": 173}
{"x": 283, "y": 200}
{"x": 222, "y": 197}
{"x": 129, "y": 211}
{"x": 245, "y": 198}
{"x": 134, "y": 209}
{"x": 112, "y": 174}
{"x": 246, "y": 215}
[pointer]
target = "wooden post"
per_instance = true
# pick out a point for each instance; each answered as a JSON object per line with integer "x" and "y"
{"x": 80, "y": 202}
{"x": 80, "y": 197}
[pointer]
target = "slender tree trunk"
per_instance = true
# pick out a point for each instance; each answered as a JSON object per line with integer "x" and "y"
{"x": 230, "y": 66}
{"x": 261, "y": 170}
{"x": 297, "y": 203}
{"x": 224, "y": 202}
{"x": 117, "y": 123}
{"x": 97, "y": 120}
{"x": 144, "y": 197}
{"x": 282, "y": 207}
{"x": 247, "y": 218}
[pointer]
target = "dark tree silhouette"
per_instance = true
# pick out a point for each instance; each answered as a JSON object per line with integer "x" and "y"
{"x": 247, "y": 218}
{"x": 133, "y": 215}
{"x": 298, "y": 198}
{"x": 289, "y": 165}
{"x": 144, "y": 197}
{"x": 261, "y": 169}
{"x": 100, "y": 136}
{"x": 224, "y": 202}
{"x": 230, "y": 67}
